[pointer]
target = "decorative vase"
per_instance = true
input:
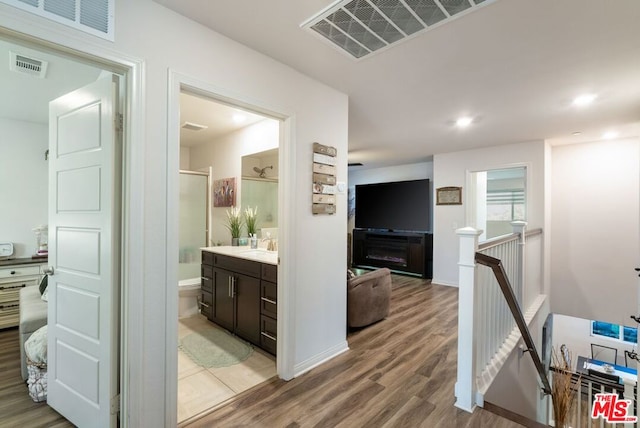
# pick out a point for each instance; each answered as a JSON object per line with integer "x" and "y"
{"x": 234, "y": 242}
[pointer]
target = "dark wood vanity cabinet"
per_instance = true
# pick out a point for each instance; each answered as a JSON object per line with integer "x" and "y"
{"x": 237, "y": 294}
{"x": 269, "y": 308}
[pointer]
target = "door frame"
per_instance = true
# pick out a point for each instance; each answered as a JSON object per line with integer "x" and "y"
{"x": 286, "y": 224}
{"x": 131, "y": 71}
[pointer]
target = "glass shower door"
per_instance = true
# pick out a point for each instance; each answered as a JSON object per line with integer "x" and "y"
{"x": 193, "y": 222}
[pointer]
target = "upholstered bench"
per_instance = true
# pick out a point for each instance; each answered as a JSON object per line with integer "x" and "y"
{"x": 33, "y": 315}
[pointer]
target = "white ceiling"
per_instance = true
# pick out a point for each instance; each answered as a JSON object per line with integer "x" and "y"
{"x": 514, "y": 65}
{"x": 217, "y": 117}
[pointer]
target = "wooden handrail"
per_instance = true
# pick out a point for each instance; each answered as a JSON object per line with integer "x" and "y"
{"x": 507, "y": 291}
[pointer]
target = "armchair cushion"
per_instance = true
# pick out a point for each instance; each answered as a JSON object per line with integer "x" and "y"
{"x": 368, "y": 297}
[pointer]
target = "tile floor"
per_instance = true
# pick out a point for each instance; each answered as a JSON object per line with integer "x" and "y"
{"x": 200, "y": 389}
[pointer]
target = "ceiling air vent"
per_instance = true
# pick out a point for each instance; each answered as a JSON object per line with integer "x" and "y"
{"x": 193, "y": 126}
{"x": 28, "y": 65}
{"x": 362, "y": 27}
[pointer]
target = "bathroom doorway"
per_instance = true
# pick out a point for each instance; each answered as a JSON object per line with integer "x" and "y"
{"x": 220, "y": 145}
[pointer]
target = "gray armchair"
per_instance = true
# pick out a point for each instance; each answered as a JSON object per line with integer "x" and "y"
{"x": 368, "y": 297}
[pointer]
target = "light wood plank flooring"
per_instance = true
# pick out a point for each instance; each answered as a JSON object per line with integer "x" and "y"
{"x": 399, "y": 372}
{"x": 16, "y": 407}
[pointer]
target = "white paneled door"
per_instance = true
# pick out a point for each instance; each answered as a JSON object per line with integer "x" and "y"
{"x": 84, "y": 254}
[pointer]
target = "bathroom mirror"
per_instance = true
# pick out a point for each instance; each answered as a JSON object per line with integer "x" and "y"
{"x": 259, "y": 186}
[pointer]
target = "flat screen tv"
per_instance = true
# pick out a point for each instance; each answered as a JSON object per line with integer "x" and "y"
{"x": 396, "y": 206}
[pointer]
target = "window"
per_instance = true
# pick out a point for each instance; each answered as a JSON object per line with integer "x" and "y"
{"x": 614, "y": 331}
{"x": 505, "y": 205}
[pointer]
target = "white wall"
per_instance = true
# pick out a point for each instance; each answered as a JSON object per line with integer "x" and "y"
{"x": 594, "y": 226}
{"x": 318, "y": 113}
{"x": 185, "y": 158}
{"x": 576, "y": 334}
{"x": 24, "y": 178}
{"x": 225, "y": 156}
{"x": 414, "y": 171}
{"x": 453, "y": 169}
{"x": 516, "y": 387}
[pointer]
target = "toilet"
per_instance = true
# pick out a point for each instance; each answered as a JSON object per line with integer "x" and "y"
{"x": 189, "y": 297}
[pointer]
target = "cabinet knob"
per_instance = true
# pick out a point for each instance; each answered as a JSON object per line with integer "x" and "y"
{"x": 13, "y": 272}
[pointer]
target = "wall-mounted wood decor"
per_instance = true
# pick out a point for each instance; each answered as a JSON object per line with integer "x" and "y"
{"x": 324, "y": 179}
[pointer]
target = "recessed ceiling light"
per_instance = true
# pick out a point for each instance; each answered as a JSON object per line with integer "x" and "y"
{"x": 610, "y": 135}
{"x": 239, "y": 118}
{"x": 584, "y": 100}
{"x": 463, "y": 122}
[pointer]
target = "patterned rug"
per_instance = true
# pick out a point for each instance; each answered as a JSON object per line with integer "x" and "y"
{"x": 215, "y": 348}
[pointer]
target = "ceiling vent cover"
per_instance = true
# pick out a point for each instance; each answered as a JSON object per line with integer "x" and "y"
{"x": 362, "y": 27}
{"x": 193, "y": 126}
{"x": 28, "y": 65}
{"x": 91, "y": 16}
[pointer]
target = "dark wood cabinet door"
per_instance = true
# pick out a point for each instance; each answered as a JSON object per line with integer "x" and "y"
{"x": 247, "y": 295}
{"x": 223, "y": 302}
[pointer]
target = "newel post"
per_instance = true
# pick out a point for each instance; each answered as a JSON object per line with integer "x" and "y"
{"x": 466, "y": 384}
{"x": 520, "y": 228}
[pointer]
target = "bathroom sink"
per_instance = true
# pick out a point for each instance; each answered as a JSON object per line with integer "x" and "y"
{"x": 258, "y": 253}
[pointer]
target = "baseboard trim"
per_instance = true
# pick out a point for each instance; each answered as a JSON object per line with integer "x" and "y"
{"x": 323, "y": 357}
{"x": 445, "y": 283}
{"x": 514, "y": 417}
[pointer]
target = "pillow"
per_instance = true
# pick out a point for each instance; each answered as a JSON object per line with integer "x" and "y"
{"x": 35, "y": 346}
{"x": 43, "y": 284}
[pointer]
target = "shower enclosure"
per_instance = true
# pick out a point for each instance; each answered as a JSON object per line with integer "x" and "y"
{"x": 194, "y": 215}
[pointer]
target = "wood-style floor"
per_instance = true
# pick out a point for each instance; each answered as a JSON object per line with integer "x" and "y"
{"x": 399, "y": 372}
{"x": 16, "y": 407}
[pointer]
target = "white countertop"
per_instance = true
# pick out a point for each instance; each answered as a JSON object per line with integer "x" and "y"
{"x": 245, "y": 252}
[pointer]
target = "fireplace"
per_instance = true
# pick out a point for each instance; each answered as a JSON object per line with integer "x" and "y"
{"x": 406, "y": 252}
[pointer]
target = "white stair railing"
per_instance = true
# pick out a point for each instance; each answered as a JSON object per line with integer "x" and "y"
{"x": 487, "y": 330}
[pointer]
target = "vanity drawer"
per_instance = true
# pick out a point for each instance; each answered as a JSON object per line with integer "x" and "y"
{"x": 18, "y": 271}
{"x": 206, "y": 282}
{"x": 207, "y": 258}
{"x": 269, "y": 299}
{"x": 206, "y": 304}
{"x": 270, "y": 272}
{"x": 236, "y": 264}
{"x": 268, "y": 334}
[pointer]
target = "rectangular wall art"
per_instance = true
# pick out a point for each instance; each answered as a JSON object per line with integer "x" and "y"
{"x": 224, "y": 192}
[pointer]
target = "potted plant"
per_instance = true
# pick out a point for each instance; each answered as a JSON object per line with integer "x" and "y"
{"x": 234, "y": 224}
{"x": 563, "y": 388}
{"x": 251, "y": 220}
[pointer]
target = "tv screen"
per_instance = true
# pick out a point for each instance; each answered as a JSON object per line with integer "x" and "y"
{"x": 396, "y": 206}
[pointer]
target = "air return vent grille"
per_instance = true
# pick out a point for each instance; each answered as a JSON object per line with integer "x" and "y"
{"x": 27, "y": 65}
{"x": 91, "y": 16}
{"x": 362, "y": 27}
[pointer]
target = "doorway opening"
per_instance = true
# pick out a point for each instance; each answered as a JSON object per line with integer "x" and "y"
{"x": 46, "y": 195}
{"x": 497, "y": 197}
{"x": 229, "y": 160}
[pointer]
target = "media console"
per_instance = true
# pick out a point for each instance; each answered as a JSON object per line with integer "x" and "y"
{"x": 407, "y": 252}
